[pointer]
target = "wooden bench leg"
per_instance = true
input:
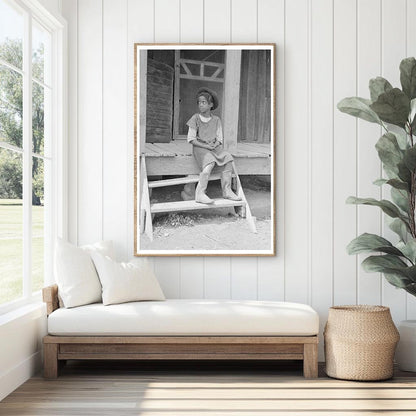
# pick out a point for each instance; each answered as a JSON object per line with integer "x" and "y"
{"x": 310, "y": 360}
{"x": 50, "y": 360}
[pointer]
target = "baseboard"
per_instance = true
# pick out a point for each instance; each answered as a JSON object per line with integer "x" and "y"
{"x": 10, "y": 380}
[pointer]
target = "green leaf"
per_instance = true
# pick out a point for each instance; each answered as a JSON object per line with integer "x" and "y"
{"x": 400, "y": 228}
{"x": 396, "y": 271}
{"x": 411, "y": 289}
{"x": 388, "y": 208}
{"x": 381, "y": 263}
{"x": 398, "y": 184}
{"x": 408, "y": 77}
{"x": 412, "y": 109}
{"x": 410, "y": 158}
{"x": 366, "y": 243}
{"x": 380, "y": 182}
{"x": 389, "y": 151}
{"x": 410, "y": 272}
{"x": 400, "y": 198}
{"x": 401, "y": 139}
{"x": 408, "y": 249}
{"x": 412, "y": 115}
{"x": 404, "y": 173}
{"x": 392, "y": 107}
{"x": 378, "y": 86}
{"x": 359, "y": 107}
{"x": 397, "y": 280}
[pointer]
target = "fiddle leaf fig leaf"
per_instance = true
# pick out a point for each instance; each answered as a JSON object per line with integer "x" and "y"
{"x": 366, "y": 243}
{"x": 412, "y": 109}
{"x": 397, "y": 280}
{"x": 398, "y": 184}
{"x": 359, "y": 107}
{"x": 408, "y": 77}
{"x": 402, "y": 139}
{"x": 380, "y": 182}
{"x": 404, "y": 173}
{"x": 410, "y": 158}
{"x": 381, "y": 263}
{"x": 400, "y": 198}
{"x": 389, "y": 151}
{"x": 392, "y": 107}
{"x": 388, "y": 207}
{"x": 378, "y": 86}
{"x": 408, "y": 249}
{"x": 411, "y": 273}
{"x": 400, "y": 228}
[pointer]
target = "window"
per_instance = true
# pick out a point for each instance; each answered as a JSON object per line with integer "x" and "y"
{"x": 31, "y": 140}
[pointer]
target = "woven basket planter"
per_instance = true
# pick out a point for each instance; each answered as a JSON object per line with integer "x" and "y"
{"x": 360, "y": 341}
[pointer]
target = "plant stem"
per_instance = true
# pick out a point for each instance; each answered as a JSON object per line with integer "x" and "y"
{"x": 412, "y": 196}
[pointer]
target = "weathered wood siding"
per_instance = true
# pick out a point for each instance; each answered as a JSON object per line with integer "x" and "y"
{"x": 159, "y": 114}
{"x": 255, "y": 96}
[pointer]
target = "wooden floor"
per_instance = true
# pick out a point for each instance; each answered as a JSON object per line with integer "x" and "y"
{"x": 221, "y": 389}
{"x": 176, "y": 158}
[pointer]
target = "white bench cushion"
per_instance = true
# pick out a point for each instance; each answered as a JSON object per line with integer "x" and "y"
{"x": 187, "y": 317}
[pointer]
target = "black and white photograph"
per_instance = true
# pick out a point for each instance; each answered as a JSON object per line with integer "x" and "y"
{"x": 204, "y": 149}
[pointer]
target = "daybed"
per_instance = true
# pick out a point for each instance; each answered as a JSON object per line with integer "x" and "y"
{"x": 181, "y": 329}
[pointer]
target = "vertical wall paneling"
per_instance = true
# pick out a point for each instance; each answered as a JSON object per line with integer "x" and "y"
{"x": 192, "y": 21}
{"x": 192, "y": 31}
{"x": 217, "y": 29}
{"x": 192, "y": 278}
{"x": 70, "y": 11}
{"x": 368, "y": 162}
{"x": 296, "y": 152}
{"x": 167, "y": 21}
{"x": 90, "y": 128}
{"x": 345, "y": 151}
{"x": 411, "y": 51}
{"x": 244, "y": 21}
{"x": 140, "y": 30}
{"x": 217, "y": 21}
{"x": 167, "y": 29}
{"x": 244, "y": 278}
{"x": 217, "y": 278}
{"x": 244, "y": 29}
{"x": 167, "y": 270}
{"x": 271, "y": 29}
{"x": 114, "y": 124}
{"x": 326, "y": 50}
{"x": 393, "y": 51}
{"x": 321, "y": 149}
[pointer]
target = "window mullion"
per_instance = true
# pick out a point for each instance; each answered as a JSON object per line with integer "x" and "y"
{"x": 27, "y": 157}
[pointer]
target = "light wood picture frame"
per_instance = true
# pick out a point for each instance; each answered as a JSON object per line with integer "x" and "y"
{"x": 170, "y": 218}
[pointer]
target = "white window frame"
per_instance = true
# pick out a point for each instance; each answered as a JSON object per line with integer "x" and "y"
{"x": 58, "y": 211}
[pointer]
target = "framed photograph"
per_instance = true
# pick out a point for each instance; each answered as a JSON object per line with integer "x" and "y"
{"x": 204, "y": 150}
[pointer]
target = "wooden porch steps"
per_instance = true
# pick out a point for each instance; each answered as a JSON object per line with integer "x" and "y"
{"x": 192, "y": 205}
{"x": 181, "y": 181}
{"x": 147, "y": 210}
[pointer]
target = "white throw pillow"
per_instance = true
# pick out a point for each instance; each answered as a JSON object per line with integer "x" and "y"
{"x": 75, "y": 273}
{"x": 126, "y": 282}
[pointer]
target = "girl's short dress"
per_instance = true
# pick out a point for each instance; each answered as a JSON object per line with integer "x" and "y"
{"x": 207, "y": 132}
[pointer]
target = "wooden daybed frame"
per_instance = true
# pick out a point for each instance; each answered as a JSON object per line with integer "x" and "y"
{"x": 58, "y": 349}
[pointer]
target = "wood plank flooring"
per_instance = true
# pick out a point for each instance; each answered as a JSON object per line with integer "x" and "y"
{"x": 206, "y": 388}
{"x": 183, "y": 148}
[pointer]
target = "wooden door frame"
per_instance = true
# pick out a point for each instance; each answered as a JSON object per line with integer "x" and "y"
{"x": 231, "y": 94}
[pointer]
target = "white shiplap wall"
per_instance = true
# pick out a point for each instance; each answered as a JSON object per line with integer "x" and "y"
{"x": 326, "y": 50}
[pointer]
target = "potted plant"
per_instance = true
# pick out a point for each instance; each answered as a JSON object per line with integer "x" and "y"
{"x": 394, "y": 109}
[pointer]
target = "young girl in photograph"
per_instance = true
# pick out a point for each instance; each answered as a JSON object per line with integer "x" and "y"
{"x": 205, "y": 134}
